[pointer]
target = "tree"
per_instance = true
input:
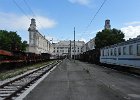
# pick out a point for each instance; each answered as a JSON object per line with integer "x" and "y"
{"x": 11, "y": 41}
{"x": 24, "y": 45}
{"x": 108, "y": 37}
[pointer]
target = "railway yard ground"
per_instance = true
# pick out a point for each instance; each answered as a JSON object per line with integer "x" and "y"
{"x": 83, "y": 81}
{"x": 5, "y": 75}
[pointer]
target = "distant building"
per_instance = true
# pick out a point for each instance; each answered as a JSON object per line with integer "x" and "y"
{"x": 90, "y": 45}
{"x": 37, "y": 43}
{"x": 107, "y": 24}
{"x": 66, "y": 48}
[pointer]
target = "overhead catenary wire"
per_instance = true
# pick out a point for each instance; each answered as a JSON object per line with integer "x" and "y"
{"x": 29, "y": 8}
{"x": 34, "y": 15}
{"x": 21, "y": 9}
{"x": 95, "y": 15}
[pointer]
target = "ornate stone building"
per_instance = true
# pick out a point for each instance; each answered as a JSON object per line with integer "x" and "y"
{"x": 66, "y": 48}
{"x": 107, "y": 24}
{"x": 37, "y": 43}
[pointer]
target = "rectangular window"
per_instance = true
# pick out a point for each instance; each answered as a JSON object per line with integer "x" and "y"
{"x": 124, "y": 50}
{"x": 119, "y": 51}
{"x": 102, "y": 52}
{"x": 111, "y": 53}
{"x": 131, "y": 50}
{"x": 115, "y": 52}
{"x": 138, "y": 49}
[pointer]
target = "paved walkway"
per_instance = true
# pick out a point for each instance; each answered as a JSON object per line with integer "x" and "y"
{"x": 76, "y": 81}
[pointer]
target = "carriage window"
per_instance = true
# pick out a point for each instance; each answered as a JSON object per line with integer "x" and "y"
{"x": 115, "y": 52}
{"x": 138, "y": 49}
{"x": 102, "y": 52}
{"x": 108, "y": 52}
{"x": 131, "y": 49}
{"x": 111, "y": 52}
{"x": 124, "y": 50}
{"x": 119, "y": 51}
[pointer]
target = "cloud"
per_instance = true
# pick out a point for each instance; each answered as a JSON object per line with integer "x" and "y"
{"x": 81, "y": 2}
{"x": 11, "y": 21}
{"x": 134, "y": 23}
{"x": 82, "y": 39}
{"x": 131, "y": 31}
{"x": 20, "y": 23}
{"x": 44, "y": 22}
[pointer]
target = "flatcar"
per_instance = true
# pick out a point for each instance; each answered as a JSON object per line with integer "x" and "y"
{"x": 15, "y": 59}
{"x": 123, "y": 54}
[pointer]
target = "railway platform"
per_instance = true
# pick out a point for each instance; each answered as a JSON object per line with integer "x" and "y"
{"x": 82, "y": 81}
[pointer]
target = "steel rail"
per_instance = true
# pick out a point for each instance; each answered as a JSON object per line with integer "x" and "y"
{"x": 17, "y": 86}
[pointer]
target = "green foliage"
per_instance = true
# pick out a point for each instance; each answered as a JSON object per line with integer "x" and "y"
{"x": 108, "y": 37}
{"x": 11, "y": 41}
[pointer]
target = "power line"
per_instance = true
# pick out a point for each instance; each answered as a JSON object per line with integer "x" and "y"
{"x": 29, "y": 8}
{"x": 95, "y": 15}
{"x": 25, "y": 12}
{"x": 21, "y": 9}
{"x": 34, "y": 15}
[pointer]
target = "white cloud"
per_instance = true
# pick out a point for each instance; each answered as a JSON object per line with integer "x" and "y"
{"x": 133, "y": 23}
{"x": 81, "y": 2}
{"x": 44, "y": 22}
{"x": 11, "y": 21}
{"x": 82, "y": 39}
{"x": 131, "y": 31}
{"x": 14, "y": 22}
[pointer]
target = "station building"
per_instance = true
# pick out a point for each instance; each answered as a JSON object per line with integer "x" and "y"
{"x": 107, "y": 24}
{"x": 90, "y": 45}
{"x": 66, "y": 48}
{"x": 38, "y": 43}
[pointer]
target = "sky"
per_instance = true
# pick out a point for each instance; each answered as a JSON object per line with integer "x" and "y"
{"x": 57, "y": 18}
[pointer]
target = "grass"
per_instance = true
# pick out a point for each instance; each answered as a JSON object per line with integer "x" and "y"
{"x": 11, "y": 73}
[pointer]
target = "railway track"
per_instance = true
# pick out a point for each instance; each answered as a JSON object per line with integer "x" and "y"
{"x": 13, "y": 89}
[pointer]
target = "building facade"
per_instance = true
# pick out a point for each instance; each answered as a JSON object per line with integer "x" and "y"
{"x": 90, "y": 45}
{"x": 37, "y": 43}
{"x": 107, "y": 24}
{"x": 66, "y": 48}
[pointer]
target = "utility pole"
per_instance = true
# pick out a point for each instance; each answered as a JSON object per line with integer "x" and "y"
{"x": 70, "y": 50}
{"x": 74, "y": 44}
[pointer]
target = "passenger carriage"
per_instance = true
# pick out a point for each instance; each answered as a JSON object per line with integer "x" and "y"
{"x": 124, "y": 54}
